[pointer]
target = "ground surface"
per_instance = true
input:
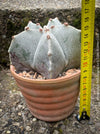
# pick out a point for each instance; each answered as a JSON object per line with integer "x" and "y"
{"x": 15, "y": 117}
{"x": 33, "y": 4}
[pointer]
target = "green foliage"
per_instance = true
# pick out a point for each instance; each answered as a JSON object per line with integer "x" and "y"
{"x": 11, "y": 27}
{"x": 60, "y": 131}
{"x": 44, "y": 21}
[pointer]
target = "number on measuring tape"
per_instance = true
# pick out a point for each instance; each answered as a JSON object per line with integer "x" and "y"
{"x": 87, "y": 34}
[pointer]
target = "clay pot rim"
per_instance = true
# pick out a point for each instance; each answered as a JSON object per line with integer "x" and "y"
{"x": 57, "y": 80}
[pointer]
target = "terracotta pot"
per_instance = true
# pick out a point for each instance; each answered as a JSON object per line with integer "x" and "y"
{"x": 52, "y": 99}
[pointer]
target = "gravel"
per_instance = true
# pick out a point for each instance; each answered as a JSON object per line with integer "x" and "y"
{"x": 35, "y": 75}
{"x": 33, "y": 4}
{"x": 15, "y": 118}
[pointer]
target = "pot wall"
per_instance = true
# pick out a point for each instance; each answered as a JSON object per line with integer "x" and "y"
{"x": 52, "y": 99}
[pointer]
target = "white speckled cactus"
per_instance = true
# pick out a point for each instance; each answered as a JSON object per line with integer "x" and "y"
{"x": 48, "y": 50}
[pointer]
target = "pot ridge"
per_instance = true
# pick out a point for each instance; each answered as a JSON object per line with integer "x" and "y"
{"x": 52, "y": 99}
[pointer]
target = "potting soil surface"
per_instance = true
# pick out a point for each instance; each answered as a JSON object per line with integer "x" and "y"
{"x": 35, "y": 75}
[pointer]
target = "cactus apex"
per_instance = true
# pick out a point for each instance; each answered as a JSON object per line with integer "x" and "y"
{"x": 13, "y": 37}
{"x": 37, "y": 24}
{"x": 52, "y": 27}
{"x": 40, "y": 29}
{"x": 66, "y": 23}
{"x": 26, "y": 28}
{"x": 48, "y": 36}
{"x": 50, "y": 19}
{"x": 46, "y": 30}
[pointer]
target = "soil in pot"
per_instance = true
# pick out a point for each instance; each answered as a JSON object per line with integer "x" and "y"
{"x": 36, "y": 75}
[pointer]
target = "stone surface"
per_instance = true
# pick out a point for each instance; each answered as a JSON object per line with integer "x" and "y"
{"x": 56, "y": 132}
{"x": 33, "y": 4}
{"x": 34, "y": 119}
{"x": 28, "y": 128}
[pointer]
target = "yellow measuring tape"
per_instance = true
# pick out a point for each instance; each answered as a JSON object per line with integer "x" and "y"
{"x": 87, "y": 37}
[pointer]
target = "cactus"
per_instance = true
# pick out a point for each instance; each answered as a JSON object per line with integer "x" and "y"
{"x": 48, "y": 50}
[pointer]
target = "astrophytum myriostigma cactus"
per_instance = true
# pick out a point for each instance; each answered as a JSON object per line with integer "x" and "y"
{"x": 48, "y": 50}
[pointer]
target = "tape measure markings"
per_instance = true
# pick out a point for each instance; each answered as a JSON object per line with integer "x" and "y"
{"x": 87, "y": 27}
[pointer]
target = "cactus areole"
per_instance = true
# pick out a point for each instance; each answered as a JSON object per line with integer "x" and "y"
{"x": 48, "y": 50}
